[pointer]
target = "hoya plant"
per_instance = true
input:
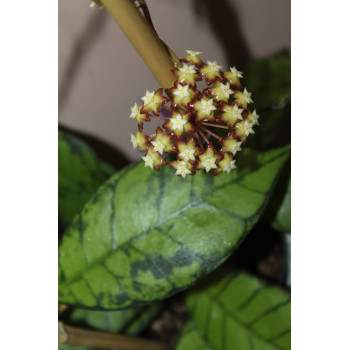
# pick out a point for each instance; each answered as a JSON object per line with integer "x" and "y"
{"x": 184, "y": 249}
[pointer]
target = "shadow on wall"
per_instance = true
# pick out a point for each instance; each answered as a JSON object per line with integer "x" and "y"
{"x": 224, "y": 22}
{"x": 84, "y": 43}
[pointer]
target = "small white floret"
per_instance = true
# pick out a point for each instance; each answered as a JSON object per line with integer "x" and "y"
{"x": 193, "y": 53}
{"x": 247, "y": 96}
{"x": 236, "y": 147}
{"x": 187, "y": 154}
{"x": 188, "y": 69}
{"x": 177, "y": 123}
{"x": 148, "y": 161}
{"x": 207, "y": 106}
{"x": 229, "y": 166}
{"x": 237, "y": 113}
{"x": 182, "y": 91}
{"x": 148, "y": 98}
{"x": 181, "y": 169}
{"x": 254, "y": 118}
{"x": 214, "y": 66}
{"x": 133, "y": 141}
{"x": 236, "y": 73}
{"x": 158, "y": 146}
{"x": 209, "y": 163}
{"x": 225, "y": 89}
{"x": 134, "y": 111}
{"x": 248, "y": 128}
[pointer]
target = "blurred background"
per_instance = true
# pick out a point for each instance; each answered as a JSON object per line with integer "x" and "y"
{"x": 101, "y": 76}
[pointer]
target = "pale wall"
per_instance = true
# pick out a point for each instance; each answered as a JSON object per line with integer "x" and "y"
{"x": 101, "y": 76}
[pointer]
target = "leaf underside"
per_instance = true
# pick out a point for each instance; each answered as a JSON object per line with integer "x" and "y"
{"x": 145, "y": 235}
{"x": 237, "y": 311}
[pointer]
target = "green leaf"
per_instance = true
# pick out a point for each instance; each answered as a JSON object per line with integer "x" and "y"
{"x": 80, "y": 173}
{"x": 130, "y": 321}
{"x": 235, "y": 310}
{"x": 190, "y": 339}
{"x": 269, "y": 80}
{"x": 278, "y": 211}
{"x": 72, "y": 347}
{"x": 273, "y": 131}
{"x": 142, "y": 320}
{"x": 146, "y": 235}
{"x": 282, "y": 221}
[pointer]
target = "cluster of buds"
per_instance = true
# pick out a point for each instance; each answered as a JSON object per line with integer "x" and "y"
{"x": 204, "y": 129}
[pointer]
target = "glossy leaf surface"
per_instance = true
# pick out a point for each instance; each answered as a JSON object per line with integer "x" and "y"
{"x": 80, "y": 173}
{"x": 130, "y": 321}
{"x": 282, "y": 221}
{"x": 235, "y": 310}
{"x": 269, "y": 80}
{"x": 146, "y": 235}
{"x": 278, "y": 211}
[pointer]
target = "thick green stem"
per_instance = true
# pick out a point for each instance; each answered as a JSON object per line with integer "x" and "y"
{"x": 144, "y": 39}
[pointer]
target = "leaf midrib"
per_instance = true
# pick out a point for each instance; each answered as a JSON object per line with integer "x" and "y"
{"x": 191, "y": 204}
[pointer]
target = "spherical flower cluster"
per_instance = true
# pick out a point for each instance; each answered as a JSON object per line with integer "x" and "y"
{"x": 204, "y": 129}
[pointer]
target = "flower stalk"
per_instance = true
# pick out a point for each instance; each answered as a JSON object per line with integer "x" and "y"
{"x": 143, "y": 38}
{"x": 102, "y": 340}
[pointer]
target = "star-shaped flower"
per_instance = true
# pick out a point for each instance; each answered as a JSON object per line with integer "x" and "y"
{"x": 248, "y": 127}
{"x": 179, "y": 123}
{"x": 149, "y": 162}
{"x": 243, "y": 129}
{"x": 158, "y": 146}
{"x": 187, "y": 151}
{"x": 134, "y": 111}
{"x": 226, "y": 164}
{"x": 231, "y": 114}
{"x": 138, "y": 115}
{"x": 211, "y": 72}
{"x": 188, "y": 69}
{"x": 204, "y": 108}
{"x": 181, "y": 168}
{"x": 221, "y": 91}
{"x": 243, "y": 98}
{"x": 193, "y": 53}
{"x": 186, "y": 75}
{"x": 148, "y": 98}
{"x": 253, "y": 117}
{"x": 192, "y": 57}
{"x": 229, "y": 166}
{"x": 133, "y": 141}
{"x": 153, "y": 159}
{"x": 230, "y": 144}
{"x": 181, "y": 91}
{"x": 152, "y": 101}
{"x": 163, "y": 142}
{"x": 182, "y": 95}
{"x": 139, "y": 140}
{"x": 208, "y": 159}
{"x": 233, "y": 76}
{"x": 187, "y": 154}
{"x": 214, "y": 66}
{"x": 208, "y": 163}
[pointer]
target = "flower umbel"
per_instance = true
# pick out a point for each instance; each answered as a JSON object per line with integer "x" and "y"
{"x": 202, "y": 129}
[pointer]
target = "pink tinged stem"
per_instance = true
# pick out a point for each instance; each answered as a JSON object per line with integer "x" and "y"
{"x": 215, "y": 125}
{"x": 199, "y": 141}
{"x": 209, "y": 132}
{"x": 206, "y": 140}
{"x": 155, "y": 116}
